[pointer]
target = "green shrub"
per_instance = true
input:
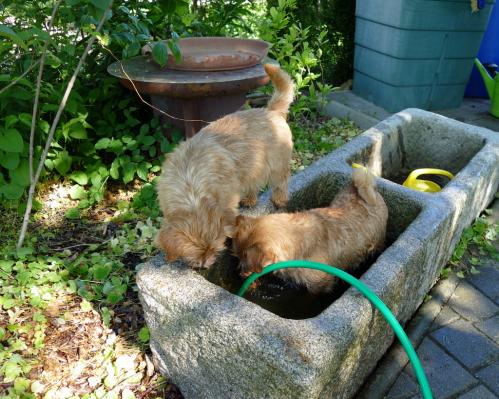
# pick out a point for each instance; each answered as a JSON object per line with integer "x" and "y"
{"x": 298, "y": 52}
{"x": 105, "y": 132}
{"x": 338, "y": 17}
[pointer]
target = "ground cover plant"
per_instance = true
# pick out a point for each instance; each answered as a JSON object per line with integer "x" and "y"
{"x": 70, "y": 319}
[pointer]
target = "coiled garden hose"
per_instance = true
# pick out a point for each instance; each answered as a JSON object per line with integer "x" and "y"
{"x": 364, "y": 290}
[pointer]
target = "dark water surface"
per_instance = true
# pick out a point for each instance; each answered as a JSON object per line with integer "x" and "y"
{"x": 277, "y": 296}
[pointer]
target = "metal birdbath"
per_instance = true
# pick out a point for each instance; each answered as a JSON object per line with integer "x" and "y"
{"x": 211, "y": 81}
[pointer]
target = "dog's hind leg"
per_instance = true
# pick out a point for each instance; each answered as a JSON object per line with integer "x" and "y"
{"x": 251, "y": 198}
{"x": 279, "y": 185}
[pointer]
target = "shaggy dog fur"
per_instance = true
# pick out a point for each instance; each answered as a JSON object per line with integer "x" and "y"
{"x": 225, "y": 163}
{"x": 342, "y": 235}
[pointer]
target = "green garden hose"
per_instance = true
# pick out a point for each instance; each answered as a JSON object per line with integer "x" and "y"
{"x": 364, "y": 290}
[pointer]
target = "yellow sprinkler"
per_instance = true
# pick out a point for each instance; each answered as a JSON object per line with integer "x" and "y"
{"x": 427, "y": 186}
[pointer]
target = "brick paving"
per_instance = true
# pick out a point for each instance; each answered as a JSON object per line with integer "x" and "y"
{"x": 456, "y": 335}
{"x": 460, "y": 348}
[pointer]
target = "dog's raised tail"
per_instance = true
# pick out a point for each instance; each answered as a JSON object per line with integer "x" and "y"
{"x": 283, "y": 89}
{"x": 363, "y": 180}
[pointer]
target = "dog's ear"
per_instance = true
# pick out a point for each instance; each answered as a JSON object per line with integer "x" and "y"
{"x": 241, "y": 226}
{"x": 258, "y": 258}
{"x": 244, "y": 221}
{"x": 167, "y": 241}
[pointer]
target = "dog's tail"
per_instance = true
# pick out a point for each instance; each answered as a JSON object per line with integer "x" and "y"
{"x": 283, "y": 89}
{"x": 363, "y": 180}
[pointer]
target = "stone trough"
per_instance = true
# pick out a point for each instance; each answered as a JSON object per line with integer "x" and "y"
{"x": 213, "y": 344}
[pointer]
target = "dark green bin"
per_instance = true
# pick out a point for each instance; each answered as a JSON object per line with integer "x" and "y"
{"x": 416, "y": 53}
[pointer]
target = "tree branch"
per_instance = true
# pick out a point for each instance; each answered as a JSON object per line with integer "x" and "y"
{"x": 37, "y": 92}
{"x": 55, "y": 122}
{"x": 32, "y": 181}
{"x": 19, "y": 77}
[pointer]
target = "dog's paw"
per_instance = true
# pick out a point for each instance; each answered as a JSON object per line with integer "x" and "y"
{"x": 280, "y": 201}
{"x": 249, "y": 201}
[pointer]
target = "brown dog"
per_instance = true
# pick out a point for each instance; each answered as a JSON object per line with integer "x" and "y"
{"x": 342, "y": 235}
{"x": 227, "y": 162}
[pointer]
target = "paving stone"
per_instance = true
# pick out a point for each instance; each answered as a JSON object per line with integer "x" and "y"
{"x": 490, "y": 377}
{"x": 443, "y": 290}
{"x": 471, "y": 303}
{"x": 492, "y": 215}
{"x": 467, "y": 344}
{"x": 446, "y": 376}
{"x": 403, "y": 388}
{"x": 491, "y": 328}
{"x": 446, "y": 316}
{"x": 389, "y": 368}
{"x": 480, "y": 392}
{"x": 487, "y": 281}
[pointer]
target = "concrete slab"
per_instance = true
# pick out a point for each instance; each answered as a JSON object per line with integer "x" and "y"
{"x": 346, "y": 104}
{"x": 491, "y": 328}
{"x": 487, "y": 281}
{"x": 446, "y": 316}
{"x": 474, "y": 111}
{"x": 404, "y": 387}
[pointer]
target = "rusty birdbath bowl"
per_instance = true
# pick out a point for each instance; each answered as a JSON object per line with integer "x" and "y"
{"x": 215, "y": 53}
{"x": 193, "y": 98}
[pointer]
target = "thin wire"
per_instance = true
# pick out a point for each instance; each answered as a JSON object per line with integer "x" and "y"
{"x": 141, "y": 98}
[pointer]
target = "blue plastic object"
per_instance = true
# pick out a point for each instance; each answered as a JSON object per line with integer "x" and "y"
{"x": 488, "y": 54}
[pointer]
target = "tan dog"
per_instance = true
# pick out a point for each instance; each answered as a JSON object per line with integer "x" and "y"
{"x": 227, "y": 162}
{"x": 342, "y": 235}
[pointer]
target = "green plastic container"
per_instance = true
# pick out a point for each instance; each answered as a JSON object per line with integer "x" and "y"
{"x": 416, "y": 53}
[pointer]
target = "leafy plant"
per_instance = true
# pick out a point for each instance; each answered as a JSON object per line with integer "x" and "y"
{"x": 298, "y": 53}
{"x": 145, "y": 201}
{"x": 98, "y": 138}
{"x": 316, "y": 136}
{"x": 339, "y": 18}
{"x": 222, "y": 18}
{"x": 160, "y": 50}
{"x": 476, "y": 241}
